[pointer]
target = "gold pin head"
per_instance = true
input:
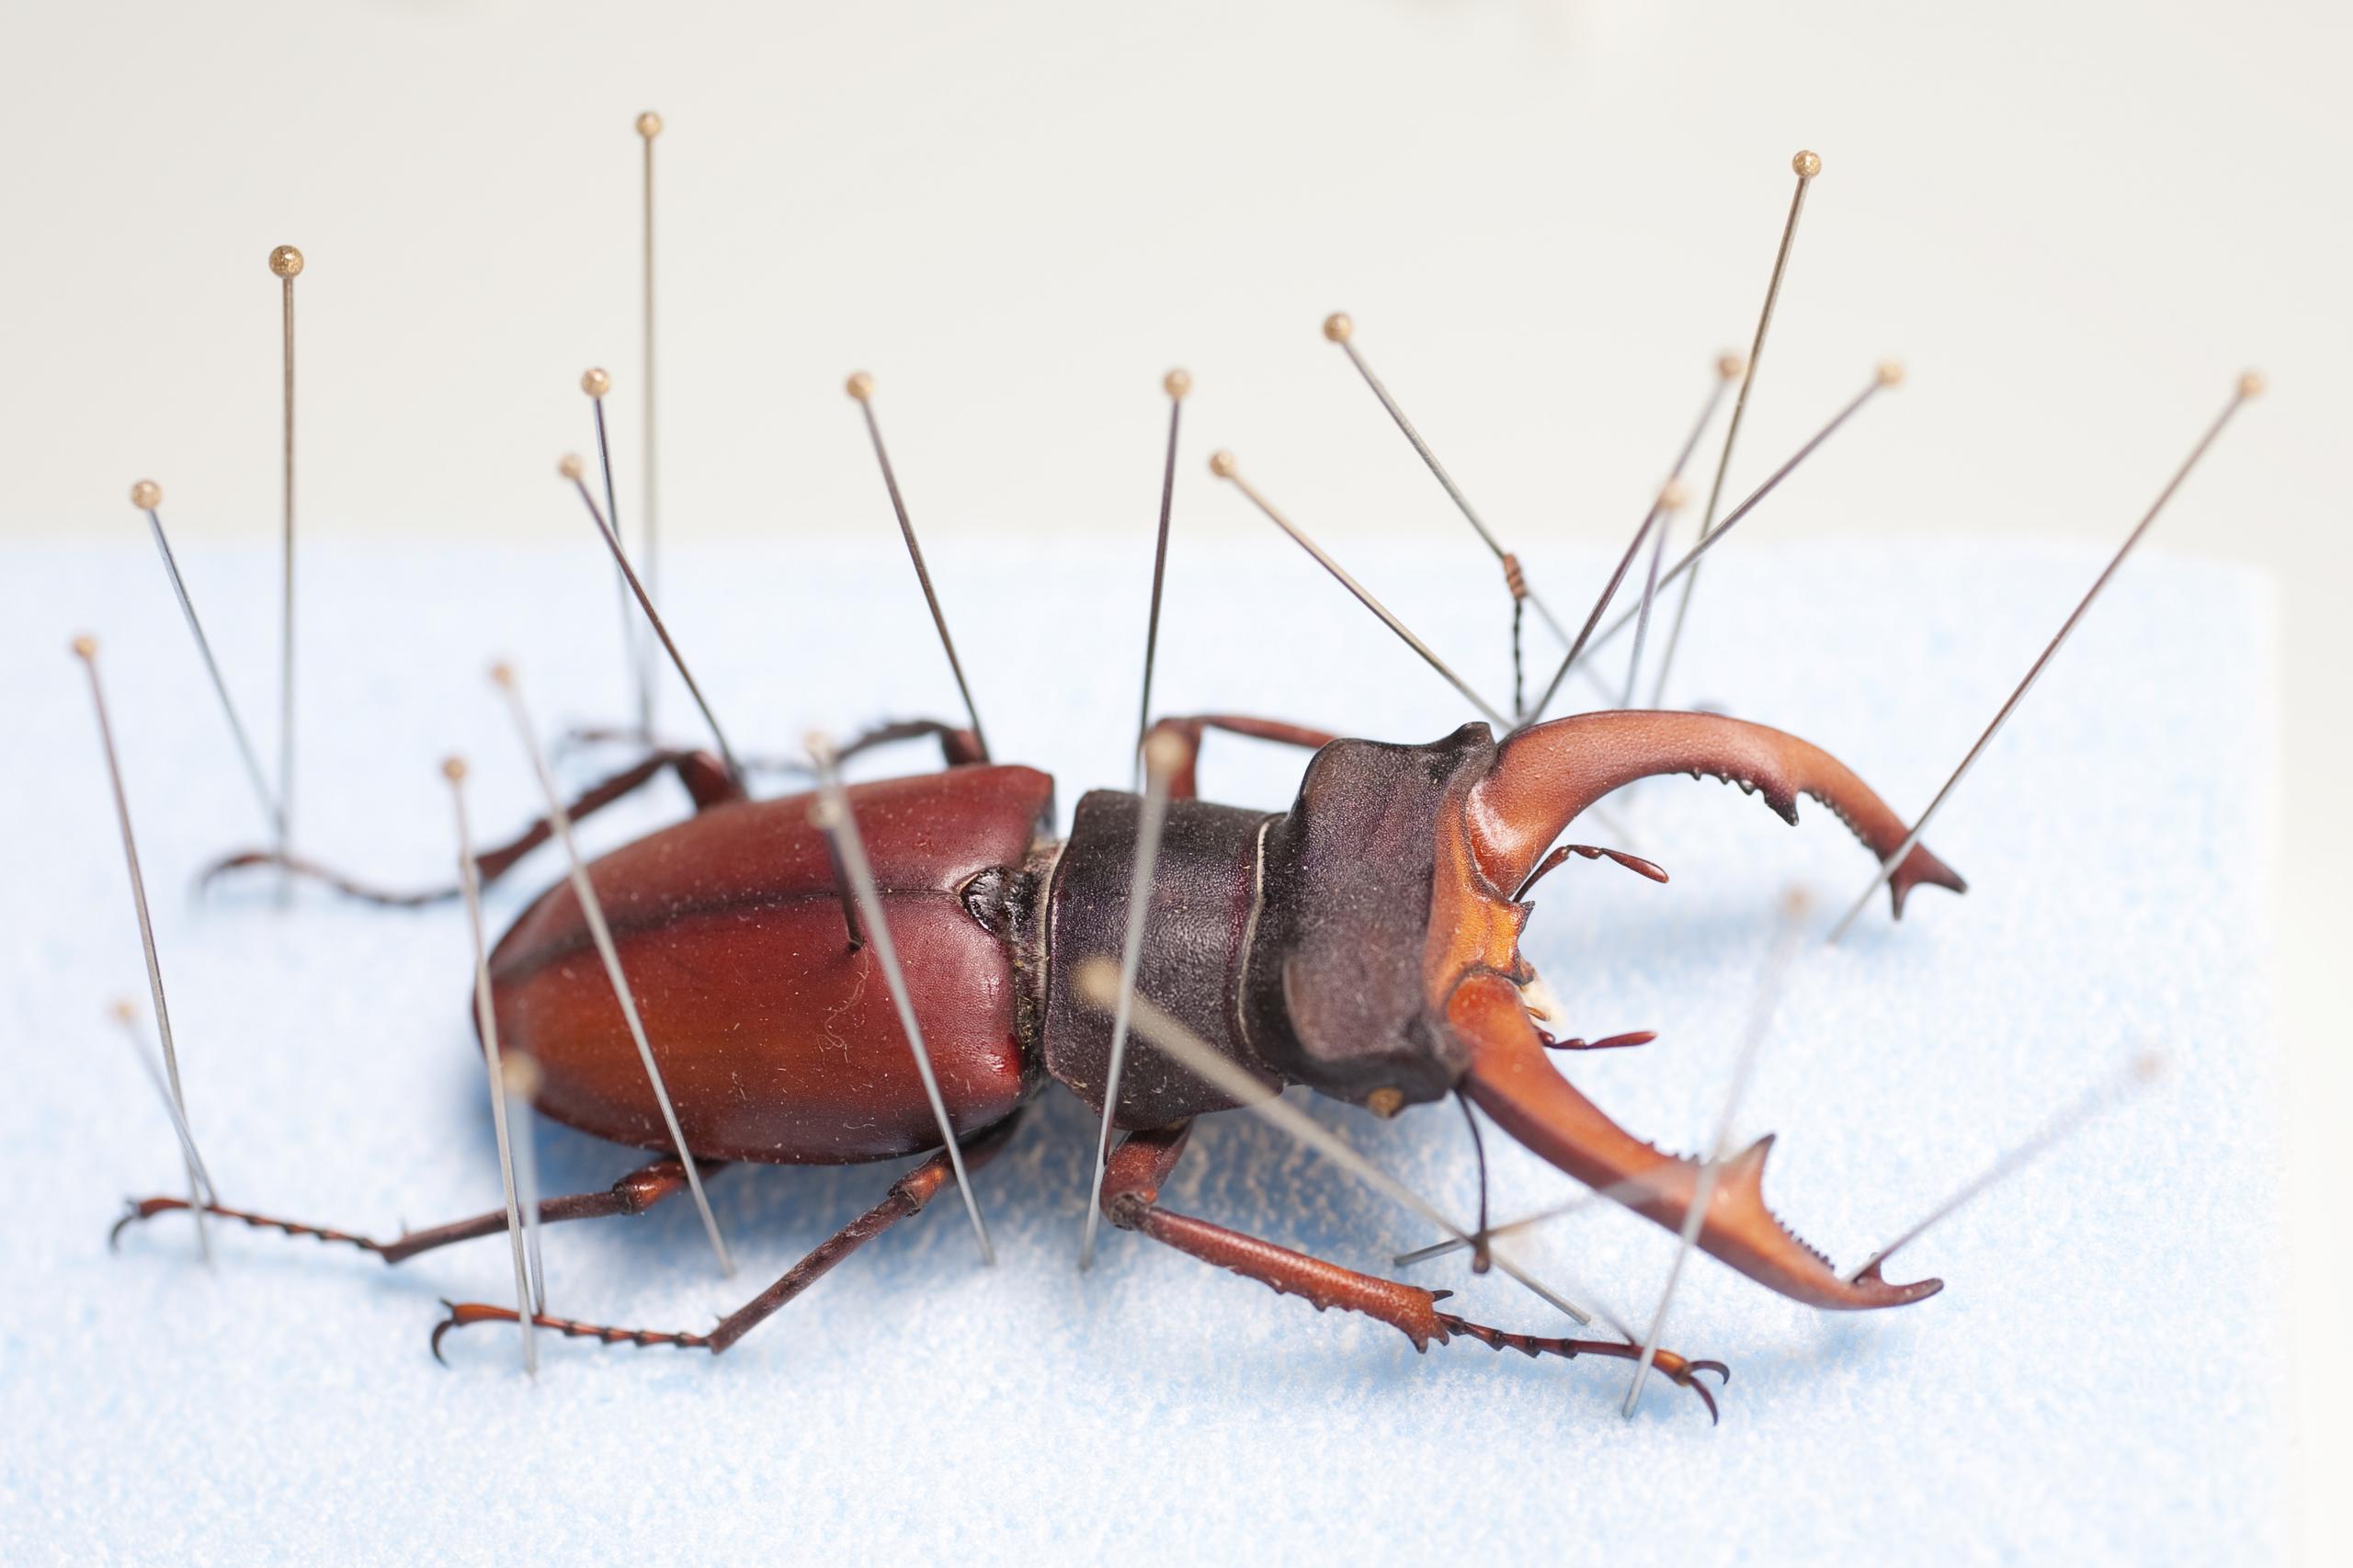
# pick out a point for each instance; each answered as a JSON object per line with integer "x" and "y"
{"x": 2251, "y": 384}
{"x": 595, "y": 382}
{"x": 1164, "y": 754}
{"x": 503, "y": 674}
{"x": 1221, "y": 464}
{"x": 1385, "y": 1103}
{"x": 1176, "y": 383}
{"x": 860, "y": 385}
{"x": 123, "y": 1011}
{"x": 649, "y": 125}
{"x": 519, "y": 1075}
{"x": 286, "y": 261}
{"x": 570, "y": 466}
{"x": 1891, "y": 373}
{"x": 1672, "y": 496}
{"x": 84, "y": 646}
{"x": 1338, "y": 327}
{"x": 1730, "y": 366}
{"x": 1806, "y": 165}
{"x": 146, "y": 494}
{"x": 453, "y": 769}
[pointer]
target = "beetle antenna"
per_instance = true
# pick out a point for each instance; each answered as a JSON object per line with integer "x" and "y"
{"x": 1164, "y": 754}
{"x": 1670, "y": 501}
{"x": 286, "y": 265}
{"x": 1760, "y": 1019}
{"x": 147, "y": 495}
{"x": 1099, "y": 981}
{"x": 1176, "y": 383}
{"x": 486, "y": 1022}
{"x": 1888, "y": 374}
{"x": 592, "y": 910}
{"x": 1482, "y": 1236}
{"x": 597, "y": 382}
{"x": 2250, "y": 385}
{"x": 860, "y": 387}
{"x": 126, "y": 1013}
{"x": 1340, "y": 329}
{"x": 1805, "y": 165}
{"x": 2135, "y": 1075}
{"x": 1222, "y": 465}
{"x": 85, "y": 648}
{"x": 649, "y": 126}
{"x": 833, "y": 817}
{"x": 519, "y": 1089}
{"x": 571, "y": 468}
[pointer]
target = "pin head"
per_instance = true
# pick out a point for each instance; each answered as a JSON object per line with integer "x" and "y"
{"x": 502, "y": 673}
{"x": 1164, "y": 754}
{"x": 570, "y": 466}
{"x": 1338, "y": 327}
{"x": 122, "y": 1011}
{"x": 286, "y": 261}
{"x": 1671, "y": 497}
{"x": 84, "y": 646}
{"x": 1806, "y": 165}
{"x": 2251, "y": 384}
{"x": 1891, "y": 373}
{"x": 453, "y": 769}
{"x": 595, "y": 382}
{"x": 1729, "y": 366}
{"x": 860, "y": 385}
{"x": 1176, "y": 383}
{"x": 146, "y": 494}
{"x": 519, "y": 1075}
{"x": 649, "y": 125}
{"x": 1221, "y": 464}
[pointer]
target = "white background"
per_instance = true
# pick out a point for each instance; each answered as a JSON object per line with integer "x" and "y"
{"x": 2075, "y": 225}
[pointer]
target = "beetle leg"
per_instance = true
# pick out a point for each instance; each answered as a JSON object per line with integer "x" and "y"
{"x": 958, "y": 746}
{"x": 705, "y": 779}
{"x": 1181, "y": 783}
{"x": 907, "y": 1196}
{"x": 633, "y": 1194}
{"x": 1132, "y": 1200}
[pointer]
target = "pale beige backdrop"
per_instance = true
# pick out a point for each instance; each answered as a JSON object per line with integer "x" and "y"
{"x": 2076, "y": 224}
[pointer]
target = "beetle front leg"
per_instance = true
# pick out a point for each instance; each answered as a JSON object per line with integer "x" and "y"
{"x": 1132, "y": 1200}
{"x": 707, "y": 785}
{"x": 1183, "y": 785}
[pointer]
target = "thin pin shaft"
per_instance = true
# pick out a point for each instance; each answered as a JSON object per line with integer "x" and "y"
{"x": 1177, "y": 385}
{"x": 1806, "y": 166}
{"x": 1098, "y": 983}
{"x": 2135, "y": 1075}
{"x": 1668, "y": 504}
{"x": 649, "y": 125}
{"x": 519, "y": 1087}
{"x": 2249, "y": 385}
{"x": 128, "y": 1017}
{"x": 834, "y": 818}
{"x": 1760, "y": 1016}
{"x": 211, "y": 669}
{"x": 486, "y": 1022}
{"x": 653, "y": 618}
{"x": 1886, "y": 376}
{"x": 861, "y": 387}
{"x": 632, "y": 642}
{"x": 1340, "y": 330}
{"x": 1163, "y": 756}
{"x": 87, "y": 650}
{"x": 286, "y": 263}
{"x": 592, "y": 910}
{"x": 1223, "y": 467}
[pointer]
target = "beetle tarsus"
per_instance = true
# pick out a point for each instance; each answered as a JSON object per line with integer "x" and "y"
{"x": 143, "y": 1209}
{"x": 1681, "y": 1370}
{"x": 463, "y": 1314}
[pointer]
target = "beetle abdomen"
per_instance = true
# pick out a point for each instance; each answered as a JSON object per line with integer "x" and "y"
{"x": 777, "y": 1042}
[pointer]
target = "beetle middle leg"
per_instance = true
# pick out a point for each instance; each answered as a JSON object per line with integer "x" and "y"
{"x": 707, "y": 785}
{"x": 633, "y": 1194}
{"x": 1131, "y": 1201}
{"x": 908, "y": 1196}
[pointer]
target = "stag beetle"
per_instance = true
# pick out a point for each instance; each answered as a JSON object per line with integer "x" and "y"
{"x": 1363, "y": 943}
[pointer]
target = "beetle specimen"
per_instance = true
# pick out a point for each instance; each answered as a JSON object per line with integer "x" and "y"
{"x": 1364, "y": 943}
